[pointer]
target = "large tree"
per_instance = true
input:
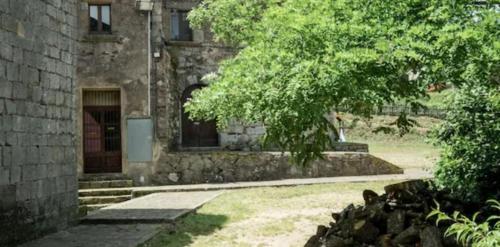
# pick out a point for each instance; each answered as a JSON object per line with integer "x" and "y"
{"x": 301, "y": 60}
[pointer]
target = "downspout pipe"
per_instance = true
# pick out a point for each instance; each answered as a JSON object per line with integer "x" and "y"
{"x": 149, "y": 63}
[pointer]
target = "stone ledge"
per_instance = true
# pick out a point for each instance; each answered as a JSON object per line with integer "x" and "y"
{"x": 100, "y": 38}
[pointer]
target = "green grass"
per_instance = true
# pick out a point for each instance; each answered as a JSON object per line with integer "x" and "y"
{"x": 439, "y": 99}
{"x": 264, "y": 216}
{"x": 413, "y": 150}
{"x": 289, "y": 216}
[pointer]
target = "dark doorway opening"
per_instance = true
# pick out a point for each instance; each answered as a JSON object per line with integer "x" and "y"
{"x": 197, "y": 133}
{"x": 102, "y": 145}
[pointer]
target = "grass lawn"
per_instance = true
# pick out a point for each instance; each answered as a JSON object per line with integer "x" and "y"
{"x": 289, "y": 216}
{"x": 412, "y": 151}
{"x": 264, "y": 216}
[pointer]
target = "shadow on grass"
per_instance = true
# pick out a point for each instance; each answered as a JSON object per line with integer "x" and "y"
{"x": 188, "y": 228}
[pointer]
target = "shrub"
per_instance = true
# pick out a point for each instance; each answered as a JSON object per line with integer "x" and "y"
{"x": 469, "y": 232}
{"x": 470, "y": 137}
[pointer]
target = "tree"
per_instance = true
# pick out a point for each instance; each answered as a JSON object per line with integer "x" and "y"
{"x": 301, "y": 60}
{"x": 470, "y": 138}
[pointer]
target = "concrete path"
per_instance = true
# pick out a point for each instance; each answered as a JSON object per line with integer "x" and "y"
{"x": 140, "y": 191}
{"x": 154, "y": 208}
{"x": 130, "y": 223}
{"x": 130, "y": 235}
{"x": 165, "y": 208}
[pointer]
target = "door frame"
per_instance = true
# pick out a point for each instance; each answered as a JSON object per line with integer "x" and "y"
{"x": 181, "y": 123}
{"x": 123, "y": 167}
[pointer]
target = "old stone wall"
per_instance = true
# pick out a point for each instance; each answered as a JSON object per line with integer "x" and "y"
{"x": 191, "y": 61}
{"x": 220, "y": 167}
{"x": 119, "y": 60}
{"x": 114, "y": 61}
{"x": 38, "y": 184}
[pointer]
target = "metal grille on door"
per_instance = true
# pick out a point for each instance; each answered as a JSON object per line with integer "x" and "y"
{"x": 102, "y": 132}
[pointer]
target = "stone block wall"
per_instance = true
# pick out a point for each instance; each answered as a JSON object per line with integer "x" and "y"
{"x": 38, "y": 184}
{"x": 222, "y": 167}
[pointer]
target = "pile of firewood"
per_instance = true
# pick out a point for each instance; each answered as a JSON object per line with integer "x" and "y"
{"x": 396, "y": 218}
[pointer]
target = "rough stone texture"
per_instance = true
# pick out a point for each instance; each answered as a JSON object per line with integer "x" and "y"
{"x": 114, "y": 61}
{"x": 37, "y": 113}
{"x": 120, "y": 61}
{"x": 390, "y": 219}
{"x": 219, "y": 167}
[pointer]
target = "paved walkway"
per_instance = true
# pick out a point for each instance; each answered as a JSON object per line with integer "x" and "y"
{"x": 130, "y": 235}
{"x": 140, "y": 191}
{"x": 154, "y": 208}
{"x": 130, "y": 223}
{"x": 165, "y": 208}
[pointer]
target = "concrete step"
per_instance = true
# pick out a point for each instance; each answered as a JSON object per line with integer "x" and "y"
{"x": 93, "y": 207}
{"x": 153, "y": 209}
{"x": 89, "y": 200}
{"x": 105, "y": 184}
{"x": 83, "y": 210}
{"x": 104, "y": 192}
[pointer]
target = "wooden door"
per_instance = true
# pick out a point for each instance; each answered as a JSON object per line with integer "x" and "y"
{"x": 197, "y": 133}
{"x": 102, "y": 139}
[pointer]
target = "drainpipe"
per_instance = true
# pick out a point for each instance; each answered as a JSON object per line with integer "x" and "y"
{"x": 149, "y": 63}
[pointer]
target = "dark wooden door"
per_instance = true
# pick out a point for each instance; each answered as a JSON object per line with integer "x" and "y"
{"x": 197, "y": 133}
{"x": 102, "y": 139}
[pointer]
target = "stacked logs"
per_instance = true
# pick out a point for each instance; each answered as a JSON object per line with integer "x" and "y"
{"x": 396, "y": 218}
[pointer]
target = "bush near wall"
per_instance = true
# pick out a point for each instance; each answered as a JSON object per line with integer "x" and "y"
{"x": 470, "y": 137}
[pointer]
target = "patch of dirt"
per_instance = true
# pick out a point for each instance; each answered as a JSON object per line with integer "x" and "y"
{"x": 305, "y": 224}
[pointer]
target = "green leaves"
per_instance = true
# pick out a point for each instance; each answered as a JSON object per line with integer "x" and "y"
{"x": 470, "y": 163}
{"x": 301, "y": 60}
{"x": 469, "y": 232}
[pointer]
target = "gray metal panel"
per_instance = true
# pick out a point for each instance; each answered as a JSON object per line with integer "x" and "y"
{"x": 139, "y": 140}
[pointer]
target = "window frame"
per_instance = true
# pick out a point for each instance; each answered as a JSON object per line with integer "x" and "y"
{"x": 179, "y": 12}
{"x": 99, "y": 19}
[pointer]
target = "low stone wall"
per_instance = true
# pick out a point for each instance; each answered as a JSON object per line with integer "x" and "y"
{"x": 222, "y": 167}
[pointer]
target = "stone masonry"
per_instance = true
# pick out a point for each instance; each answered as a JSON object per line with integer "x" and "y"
{"x": 38, "y": 183}
{"x": 224, "y": 167}
{"x": 152, "y": 70}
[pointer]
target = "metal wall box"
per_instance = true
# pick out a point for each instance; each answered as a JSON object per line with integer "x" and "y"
{"x": 139, "y": 139}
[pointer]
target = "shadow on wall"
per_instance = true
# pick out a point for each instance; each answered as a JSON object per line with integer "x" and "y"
{"x": 189, "y": 227}
{"x": 15, "y": 226}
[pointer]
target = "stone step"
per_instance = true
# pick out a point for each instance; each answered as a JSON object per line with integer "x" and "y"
{"x": 93, "y": 207}
{"x": 89, "y": 200}
{"x": 105, "y": 184}
{"x": 102, "y": 177}
{"x": 83, "y": 210}
{"x": 104, "y": 192}
{"x": 153, "y": 209}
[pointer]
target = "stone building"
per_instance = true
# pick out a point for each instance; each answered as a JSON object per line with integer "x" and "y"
{"x": 38, "y": 175}
{"x": 139, "y": 62}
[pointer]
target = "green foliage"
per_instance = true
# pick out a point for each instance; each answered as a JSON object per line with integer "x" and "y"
{"x": 470, "y": 138}
{"x": 301, "y": 60}
{"x": 469, "y": 232}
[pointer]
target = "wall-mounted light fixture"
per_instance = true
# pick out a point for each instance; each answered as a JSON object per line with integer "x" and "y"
{"x": 144, "y": 5}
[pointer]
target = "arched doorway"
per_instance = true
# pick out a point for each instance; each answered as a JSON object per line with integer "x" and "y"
{"x": 197, "y": 133}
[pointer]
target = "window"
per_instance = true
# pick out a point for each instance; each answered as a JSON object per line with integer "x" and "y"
{"x": 179, "y": 26}
{"x": 100, "y": 18}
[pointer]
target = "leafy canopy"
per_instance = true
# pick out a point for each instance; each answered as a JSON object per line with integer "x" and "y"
{"x": 301, "y": 60}
{"x": 470, "y": 137}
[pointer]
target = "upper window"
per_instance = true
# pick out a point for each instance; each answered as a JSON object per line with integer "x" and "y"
{"x": 100, "y": 18}
{"x": 179, "y": 26}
